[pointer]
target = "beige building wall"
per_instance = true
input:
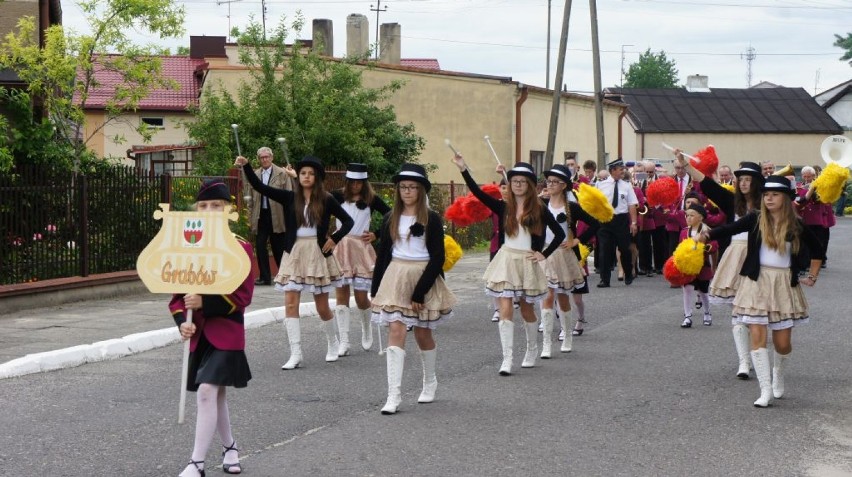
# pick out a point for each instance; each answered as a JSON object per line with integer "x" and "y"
{"x": 12, "y": 10}
{"x": 93, "y": 136}
{"x": 119, "y": 135}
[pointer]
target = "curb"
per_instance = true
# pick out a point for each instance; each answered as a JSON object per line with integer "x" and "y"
{"x": 132, "y": 344}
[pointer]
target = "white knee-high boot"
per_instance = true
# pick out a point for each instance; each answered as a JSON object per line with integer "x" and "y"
{"x": 366, "y": 328}
{"x": 778, "y": 374}
{"x": 567, "y": 325}
{"x": 760, "y": 359}
{"x": 741, "y": 342}
{"x": 294, "y": 336}
{"x": 396, "y": 362}
{"x": 547, "y": 332}
{"x": 507, "y": 342}
{"x": 430, "y": 381}
{"x": 532, "y": 345}
{"x": 330, "y": 328}
{"x": 341, "y": 314}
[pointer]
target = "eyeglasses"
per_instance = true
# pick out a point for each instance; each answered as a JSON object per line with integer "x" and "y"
{"x": 553, "y": 182}
{"x": 264, "y": 157}
{"x": 518, "y": 183}
{"x": 409, "y": 188}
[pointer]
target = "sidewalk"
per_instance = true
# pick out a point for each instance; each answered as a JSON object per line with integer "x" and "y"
{"x": 43, "y": 339}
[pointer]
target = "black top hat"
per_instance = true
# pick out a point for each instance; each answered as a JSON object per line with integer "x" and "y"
{"x": 522, "y": 169}
{"x": 749, "y": 169}
{"x": 313, "y": 162}
{"x": 616, "y": 163}
{"x": 778, "y": 184}
{"x": 413, "y": 172}
{"x": 213, "y": 189}
{"x": 698, "y": 208}
{"x": 356, "y": 171}
{"x": 559, "y": 171}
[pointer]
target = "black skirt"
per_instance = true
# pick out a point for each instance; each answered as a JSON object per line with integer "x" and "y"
{"x": 210, "y": 365}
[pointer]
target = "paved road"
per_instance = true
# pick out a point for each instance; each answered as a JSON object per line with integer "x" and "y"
{"x": 638, "y": 396}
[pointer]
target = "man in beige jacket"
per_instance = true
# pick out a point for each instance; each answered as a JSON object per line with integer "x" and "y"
{"x": 267, "y": 216}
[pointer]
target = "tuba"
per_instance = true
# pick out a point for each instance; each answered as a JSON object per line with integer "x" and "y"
{"x": 837, "y": 149}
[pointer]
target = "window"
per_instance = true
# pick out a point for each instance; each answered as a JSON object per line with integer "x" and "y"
{"x": 537, "y": 161}
{"x": 154, "y": 122}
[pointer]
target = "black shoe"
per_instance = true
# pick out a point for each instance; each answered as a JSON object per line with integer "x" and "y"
{"x": 262, "y": 282}
{"x": 687, "y": 322}
{"x": 603, "y": 284}
{"x": 231, "y": 468}
{"x": 822, "y": 265}
{"x": 650, "y": 274}
{"x": 628, "y": 280}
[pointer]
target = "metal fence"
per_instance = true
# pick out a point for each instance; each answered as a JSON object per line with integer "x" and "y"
{"x": 55, "y": 224}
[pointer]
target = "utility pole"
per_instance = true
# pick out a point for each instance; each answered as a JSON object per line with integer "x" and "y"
{"x": 547, "y": 80}
{"x": 596, "y": 58}
{"x": 621, "y": 79}
{"x": 557, "y": 91}
{"x": 229, "y": 2}
{"x": 749, "y": 57}
{"x": 378, "y": 9}
{"x": 263, "y": 12}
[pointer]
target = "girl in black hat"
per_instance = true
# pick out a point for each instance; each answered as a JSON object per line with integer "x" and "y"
{"x": 745, "y": 198}
{"x": 308, "y": 264}
{"x": 355, "y": 254}
{"x": 778, "y": 244}
{"x": 408, "y": 285}
{"x": 562, "y": 268}
{"x": 514, "y": 272}
{"x": 217, "y": 345}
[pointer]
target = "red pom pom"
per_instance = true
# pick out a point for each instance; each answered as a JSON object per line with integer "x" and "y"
{"x": 455, "y": 213}
{"x": 709, "y": 161}
{"x": 673, "y": 275}
{"x": 491, "y": 189}
{"x": 467, "y": 210}
{"x": 476, "y": 210}
{"x": 663, "y": 192}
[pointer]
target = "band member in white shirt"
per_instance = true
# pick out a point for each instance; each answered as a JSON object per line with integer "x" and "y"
{"x": 624, "y": 223}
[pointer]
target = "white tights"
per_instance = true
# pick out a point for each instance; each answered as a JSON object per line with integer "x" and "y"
{"x": 212, "y": 416}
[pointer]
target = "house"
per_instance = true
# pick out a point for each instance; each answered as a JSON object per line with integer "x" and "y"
{"x": 837, "y": 102}
{"x": 783, "y": 125}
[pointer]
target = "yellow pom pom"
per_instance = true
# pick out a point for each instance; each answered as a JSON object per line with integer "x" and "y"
{"x": 595, "y": 203}
{"x": 584, "y": 254}
{"x": 689, "y": 257}
{"x": 831, "y": 183}
{"x": 452, "y": 252}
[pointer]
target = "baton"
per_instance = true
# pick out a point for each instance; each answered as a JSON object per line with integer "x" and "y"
{"x": 282, "y": 142}
{"x": 237, "y": 137}
{"x": 184, "y": 374}
{"x": 488, "y": 141}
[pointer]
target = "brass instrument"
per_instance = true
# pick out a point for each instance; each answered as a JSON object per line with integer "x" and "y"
{"x": 785, "y": 171}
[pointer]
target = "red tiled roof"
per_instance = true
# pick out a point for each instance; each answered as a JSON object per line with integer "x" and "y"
{"x": 425, "y": 63}
{"x": 181, "y": 69}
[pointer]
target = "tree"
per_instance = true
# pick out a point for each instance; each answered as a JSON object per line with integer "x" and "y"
{"x": 318, "y": 104}
{"x": 62, "y": 74}
{"x": 846, "y": 44}
{"x": 651, "y": 71}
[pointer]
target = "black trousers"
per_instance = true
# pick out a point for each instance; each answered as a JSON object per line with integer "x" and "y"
{"x": 615, "y": 233}
{"x": 823, "y": 234}
{"x": 646, "y": 250}
{"x": 659, "y": 238}
{"x": 266, "y": 235}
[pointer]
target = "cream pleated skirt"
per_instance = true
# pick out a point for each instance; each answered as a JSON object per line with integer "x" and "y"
{"x": 512, "y": 275}
{"x": 306, "y": 269}
{"x": 563, "y": 272}
{"x": 393, "y": 299}
{"x": 771, "y": 300}
{"x": 357, "y": 260}
{"x": 726, "y": 280}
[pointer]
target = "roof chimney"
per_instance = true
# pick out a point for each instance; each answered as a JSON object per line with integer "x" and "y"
{"x": 697, "y": 84}
{"x": 357, "y": 35}
{"x": 390, "y": 50}
{"x": 323, "y": 37}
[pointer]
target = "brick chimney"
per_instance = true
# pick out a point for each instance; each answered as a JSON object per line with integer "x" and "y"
{"x": 323, "y": 37}
{"x": 390, "y": 47}
{"x": 357, "y": 35}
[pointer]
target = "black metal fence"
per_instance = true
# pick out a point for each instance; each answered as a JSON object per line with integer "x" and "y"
{"x": 56, "y": 224}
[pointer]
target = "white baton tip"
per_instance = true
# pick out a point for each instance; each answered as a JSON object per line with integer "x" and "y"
{"x": 234, "y": 126}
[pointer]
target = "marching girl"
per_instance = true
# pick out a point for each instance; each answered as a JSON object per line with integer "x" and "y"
{"x": 695, "y": 226}
{"x": 355, "y": 254}
{"x": 769, "y": 295}
{"x": 308, "y": 264}
{"x": 726, "y": 279}
{"x": 217, "y": 344}
{"x": 408, "y": 286}
{"x": 513, "y": 273}
{"x": 562, "y": 268}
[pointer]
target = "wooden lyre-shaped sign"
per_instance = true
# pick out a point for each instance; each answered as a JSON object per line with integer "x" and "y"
{"x": 194, "y": 252}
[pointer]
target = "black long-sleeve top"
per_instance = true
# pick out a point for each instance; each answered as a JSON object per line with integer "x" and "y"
{"x": 434, "y": 268}
{"x": 498, "y": 206}
{"x": 751, "y": 266}
{"x": 724, "y": 200}
{"x": 287, "y": 199}
{"x": 377, "y": 205}
{"x": 579, "y": 214}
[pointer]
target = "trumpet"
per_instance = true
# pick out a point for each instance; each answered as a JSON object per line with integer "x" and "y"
{"x": 785, "y": 171}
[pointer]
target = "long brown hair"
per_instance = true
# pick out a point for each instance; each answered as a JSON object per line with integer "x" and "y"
{"x": 531, "y": 215}
{"x": 366, "y": 194}
{"x": 788, "y": 228}
{"x": 398, "y": 207}
{"x": 741, "y": 200}
{"x": 316, "y": 208}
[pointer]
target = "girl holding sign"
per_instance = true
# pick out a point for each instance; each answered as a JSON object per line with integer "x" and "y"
{"x": 308, "y": 264}
{"x": 217, "y": 345}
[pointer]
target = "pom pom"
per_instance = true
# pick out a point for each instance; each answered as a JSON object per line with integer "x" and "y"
{"x": 674, "y": 276}
{"x": 662, "y": 192}
{"x": 584, "y": 253}
{"x": 475, "y": 210}
{"x": 417, "y": 230}
{"x": 689, "y": 257}
{"x": 709, "y": 161}
{"x": 452, "y": 253}
{"x": 491, "y": 189}
{"x": 831, "y": 183}
{"x": 467, "y": 210}
{"x": 455, "y": 213}
{"x": 595, "y": 203}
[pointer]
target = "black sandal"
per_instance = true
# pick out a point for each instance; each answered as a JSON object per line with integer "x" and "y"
{"x": 575, "y": 331}
{"x": 195, "y": 463}
{"x": 230, "y": 468}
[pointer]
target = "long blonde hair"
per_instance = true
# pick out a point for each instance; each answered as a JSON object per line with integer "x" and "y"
{"x": 421, "y": 206}
{"x": 787, "y": 229}
{"x": 531, "y": 215}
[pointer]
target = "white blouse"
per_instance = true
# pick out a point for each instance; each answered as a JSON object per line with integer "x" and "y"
{"x": 773, "y": 258}
{"x": 522, "y": 241}
{"x": 305, "y": 231}
{"x": 409, "y": 247}
{"x": 548, "y": 234}
{"x": 361, "y": 217}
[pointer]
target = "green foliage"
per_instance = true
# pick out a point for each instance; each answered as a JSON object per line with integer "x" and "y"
{"x": 651, "y": 71}
{"x": 846, "y": 44}
{"x": 319, "y": 105}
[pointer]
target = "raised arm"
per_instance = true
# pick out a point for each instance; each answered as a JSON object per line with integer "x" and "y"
{"x": 278, "y": 195}
{"x": 496, "y": 205}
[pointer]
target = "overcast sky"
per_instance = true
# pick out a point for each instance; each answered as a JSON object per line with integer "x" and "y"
{"x": 792, "y": 39}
